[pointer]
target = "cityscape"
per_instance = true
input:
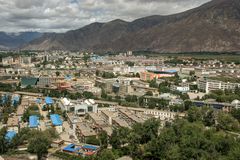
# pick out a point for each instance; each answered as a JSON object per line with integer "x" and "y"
{"x": 102, "y": 102}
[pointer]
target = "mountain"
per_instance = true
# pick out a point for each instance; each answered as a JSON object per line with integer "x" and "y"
{"x": 214, "y": 26}
{"x": 15, "y": 40}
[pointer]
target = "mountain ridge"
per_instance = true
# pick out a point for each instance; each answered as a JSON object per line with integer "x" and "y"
{"x": 214, "y": 26}
{"x": 15, "y": 40}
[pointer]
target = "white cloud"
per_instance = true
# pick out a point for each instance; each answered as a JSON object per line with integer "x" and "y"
{"x": 63, "y": 15}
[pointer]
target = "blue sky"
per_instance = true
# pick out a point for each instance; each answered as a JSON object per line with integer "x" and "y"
{"x": 63, "y": 15}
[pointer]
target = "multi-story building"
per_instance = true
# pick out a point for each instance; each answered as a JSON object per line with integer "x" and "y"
{"x": 152, "y": 74}
{"x": 45, "y": 81}
{"x": 209, "y": 85}
{"x": 7, "y": 61}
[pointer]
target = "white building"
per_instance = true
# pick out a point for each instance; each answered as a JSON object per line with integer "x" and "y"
{"x": 210, "y": 85}
{"x": 78, "y": 107}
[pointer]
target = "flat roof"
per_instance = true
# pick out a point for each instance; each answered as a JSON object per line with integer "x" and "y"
{"x": 90, "y": 147}
{"x": 71, "y": 148}
{"x": 56, "y": 120}
{"x": 49, "y": 100}
{"x": 33, "y": 121}
{"x": 10, "y": 135}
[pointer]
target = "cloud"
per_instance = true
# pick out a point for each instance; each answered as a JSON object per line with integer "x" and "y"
{"x": 63, "y": 15}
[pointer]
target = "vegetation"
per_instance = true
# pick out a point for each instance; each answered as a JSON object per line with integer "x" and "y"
{"x": 31, "y": 110}
{"x": 38, "y": 141}
{"x": 203, "y": 134}
{"x": 226, "y": 79}
{"x": 224, "y": 96}
{"x": 108, "y": 75}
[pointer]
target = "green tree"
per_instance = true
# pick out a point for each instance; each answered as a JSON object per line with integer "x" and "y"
{"x": 149, "y": 93}
{"x": 119, "y": 137}
{"x": 88, "y": 95}
{"x": 3, "y": 141}
{"x": 103, "y": 138}
{"x": 92, "y": 140}
{"x": 227, "y": 122}
{"x": 236, "y": 113}
{"x": 106, "y": 155}
{"x": 39, "y": 145}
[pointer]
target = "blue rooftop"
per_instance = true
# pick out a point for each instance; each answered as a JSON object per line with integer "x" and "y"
{"x": 90, "y": 147}
{"x": 172, "y": 71}
{"x": 71, "y": 148}
{"x": 56, "y": 120}
{"x": 33, "y": 121}
{"x": 10, "y": 135}
{"x": 49, "y": 100}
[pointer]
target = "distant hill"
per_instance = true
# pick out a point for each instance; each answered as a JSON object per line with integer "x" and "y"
{"x": 15, "y": 40}
{"x": 214, "y": 26}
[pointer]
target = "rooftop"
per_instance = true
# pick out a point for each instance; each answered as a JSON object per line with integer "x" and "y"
{"x": 56, "y": 120}
{"x": 10, "y": 135}
{"x": 33, "y": 121}
{"x": 49, "y": 100}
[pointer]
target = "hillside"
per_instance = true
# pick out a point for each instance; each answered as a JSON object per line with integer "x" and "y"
{"x": 15, "y": 40}
{"x": 214, "y": 26}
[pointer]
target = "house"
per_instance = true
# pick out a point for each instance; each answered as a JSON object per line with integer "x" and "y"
{"x": 84, "y": 131}
{"x": 78, "y": 107}
{"x": 28, "y": 81}
{"x": 57, "y": 122}
{"x": 13, "y": 124}
{"x": 49, "y": 101}
{"x": 34, "y": 122}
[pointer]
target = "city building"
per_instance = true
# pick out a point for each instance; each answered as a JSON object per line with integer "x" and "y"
{"x": 209, "y": 85}
{"x": 84, "y": 131}
{"x": 156, "y": 74}
{"x": 56, "y": 122}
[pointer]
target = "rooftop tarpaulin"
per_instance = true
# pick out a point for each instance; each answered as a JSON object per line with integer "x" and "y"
{"x": 56, "y": 120}
{"x": 33, "y": 121}
{"x": 49, "y": 100}
{"x": 10, "y": 135}
{"x": 71, "y": 148}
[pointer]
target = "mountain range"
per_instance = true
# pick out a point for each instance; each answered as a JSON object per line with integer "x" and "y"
{"x": 16, "y": 40}
{"x": 214, "y": 26}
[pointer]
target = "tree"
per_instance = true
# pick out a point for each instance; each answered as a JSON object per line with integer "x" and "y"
{"x": 88, "y": 95}
{"x": 86, "y": 58}
{"x": 153, "y": 83}
{"x": 39, "y": 145}
{"x": 227, "y": 122}
{"x": 194, "y": 114}
{"x": 103, "y": 138}
{"x": 138, "y": 75}
{"x": 187, "y": 104}
{"x": 235, "y": 153}
{"x": 3, "y": 141}
{"x": 92, "y": 140}
{"x": 58, "y": 73}
{"x": 236, "y": 113}
{"x": 119, "y": 137}
{"x": 106, "y": 155}
{"x": 149, "y": 93}
{"x": 147, "y": 130}
{"x": 103, "y": 94}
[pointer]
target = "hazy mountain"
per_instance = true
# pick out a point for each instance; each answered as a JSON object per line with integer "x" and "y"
{"x": 214, "y": 26}
{"x": 15, "y": 40}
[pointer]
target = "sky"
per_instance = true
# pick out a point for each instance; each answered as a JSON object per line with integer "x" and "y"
{"x": 64, "y": 15}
